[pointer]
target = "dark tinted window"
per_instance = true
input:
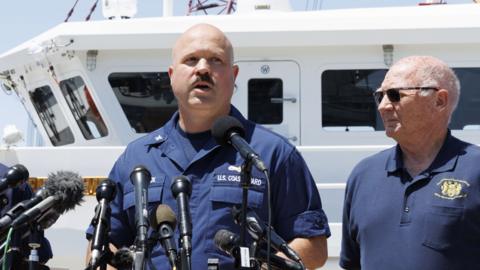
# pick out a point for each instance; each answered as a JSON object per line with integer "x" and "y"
{"x": 265, "y": 105}
{"x": 83, "y": 108}
{"x": 467, "y": 114}
{"x": 347, "y": 99}
{"x": 51, "y": 116}
{"x": 146, "y": 98}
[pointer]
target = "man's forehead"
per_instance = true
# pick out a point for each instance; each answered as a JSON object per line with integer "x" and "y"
{"x": 400, "y": 74}
{"x": 198, "y": 39}
{"x": 202, "y": 33}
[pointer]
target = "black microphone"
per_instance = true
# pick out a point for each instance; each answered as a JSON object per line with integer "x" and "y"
{"x": 181, "y": 191}
{"x": 21, "y": 207}
{"x": 258, "y": 230}
{"x": 13, "y": 177}
{"x": 228, "y": 130}
{"x": 140, "y": 178}
{"x": 164, "y": 221}
{"x": 229, "y": 243}
{"x": 122, "y": 259}
{"x": 64, "y": 191}
{"x": 105, "y": 193}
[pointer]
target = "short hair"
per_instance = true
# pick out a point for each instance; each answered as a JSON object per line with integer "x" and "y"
{"x": 433, "y": 72}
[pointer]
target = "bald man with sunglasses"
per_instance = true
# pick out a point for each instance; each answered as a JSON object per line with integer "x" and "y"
{"x": 417, "y": 204}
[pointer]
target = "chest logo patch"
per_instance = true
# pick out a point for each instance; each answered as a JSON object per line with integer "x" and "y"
{"x": 451, "y": 189}
{"x": 235, "y": 168}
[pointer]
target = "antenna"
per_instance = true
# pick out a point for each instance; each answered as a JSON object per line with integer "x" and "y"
{"x": 204, "y": 6}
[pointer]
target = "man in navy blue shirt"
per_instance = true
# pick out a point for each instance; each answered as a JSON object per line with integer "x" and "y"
{"x": 203, "y": 77}
{"x": 416, "y": 205}
{"x": 14, "y": 196}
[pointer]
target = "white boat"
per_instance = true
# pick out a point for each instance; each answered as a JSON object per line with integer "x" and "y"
{"x": 92, "y": 87}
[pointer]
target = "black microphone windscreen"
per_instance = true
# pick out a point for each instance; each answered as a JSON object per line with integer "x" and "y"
{"x": 223, "y": 126}
{"x": 163, "y": 214}
{"x": 226, "y": 240}
{"x": 106, "y": 190}
{"x": 68, "y": 187}
{"x": 16, "y": 174}
{"x": 122, "y": 259}
{"x": 139, "y": 171}
{"x": 21, "y": 171}
{"x": 181, "y": 184}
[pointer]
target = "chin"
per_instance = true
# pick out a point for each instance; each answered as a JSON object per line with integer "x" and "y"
{"x": 390, "y": 133}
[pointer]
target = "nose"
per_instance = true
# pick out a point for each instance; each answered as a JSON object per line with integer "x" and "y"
{"x": 202, "y": 66}
{"x": 385, "y": 104}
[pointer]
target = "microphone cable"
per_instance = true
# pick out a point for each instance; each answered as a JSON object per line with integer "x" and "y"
{"x": 269, "y": 218}
{"x": 269, "y": 222}
{"x": 7, "y": 246}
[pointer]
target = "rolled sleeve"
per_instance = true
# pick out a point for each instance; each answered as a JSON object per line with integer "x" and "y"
{"x": 297, "y": 204}
{"x": 305, "y": 225}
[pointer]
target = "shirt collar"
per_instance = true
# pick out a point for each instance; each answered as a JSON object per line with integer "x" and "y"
{"x": 161, "y": 135}
{"x": 445, "y": 160}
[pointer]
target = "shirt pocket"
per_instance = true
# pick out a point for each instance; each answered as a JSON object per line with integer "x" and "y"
{"x": 155, "y": 192}
{"x": 442, "y": 227}
{"x": 223, "y": 198}
{"x": 232, "y": 195}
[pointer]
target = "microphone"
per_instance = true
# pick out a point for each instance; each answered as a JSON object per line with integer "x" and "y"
{"x": 228, "y": 130}
{"x": 181, "y": 191}
{"x": 229, "y": 243}
{"x": 122, "y": 259}
{"x": 21, "y": 207}
{"x": 258, "y": 231}
{"x": 13, "y": 177}
{"x": 164, "y": 221}
{"x": 140, "y": 178}
{"x": 105, "y": 193}
{"x": 64, "y": 190}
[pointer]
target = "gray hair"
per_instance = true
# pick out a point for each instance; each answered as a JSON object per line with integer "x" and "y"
{"x": 433, "y": 72}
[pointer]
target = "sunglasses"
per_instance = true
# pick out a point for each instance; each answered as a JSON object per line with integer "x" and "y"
{"x": 393, "y": 94}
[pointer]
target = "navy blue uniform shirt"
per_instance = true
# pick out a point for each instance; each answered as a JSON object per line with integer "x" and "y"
{"x": 14, "y": 196}
{"x": 214, "y": 173}
{"x": 430, "y": 222}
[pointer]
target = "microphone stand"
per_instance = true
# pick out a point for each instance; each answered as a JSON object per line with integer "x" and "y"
{"x": 104, "y": 219}
{"x": 246, "y": 176}
{"x": 34, "y": 243}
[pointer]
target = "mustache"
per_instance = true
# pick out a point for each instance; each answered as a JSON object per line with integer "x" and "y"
{"x": 204, "y": 78}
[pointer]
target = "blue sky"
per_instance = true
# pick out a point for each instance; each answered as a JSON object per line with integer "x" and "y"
{"x": 22, "y": 20}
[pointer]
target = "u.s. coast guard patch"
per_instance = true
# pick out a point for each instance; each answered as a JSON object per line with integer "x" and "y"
{"x": 451, "y": 189}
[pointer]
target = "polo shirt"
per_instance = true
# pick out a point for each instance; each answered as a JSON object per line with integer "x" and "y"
{"x": 214, "y": 173}
{"x": 432, "y": 221}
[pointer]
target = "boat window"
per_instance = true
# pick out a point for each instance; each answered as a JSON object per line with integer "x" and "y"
{"x": 467, "y": 114}
{"x": 146, "y": 98}
{"x": 265, "y": 101}
{"x": 83, "y": 108}
{"x": 347, "y": 102}
{"x": 52, "y": 118}
{"x": 348, "y": 105}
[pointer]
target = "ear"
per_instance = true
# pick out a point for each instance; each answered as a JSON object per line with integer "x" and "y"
{"x": 442, "y": 99}
{"x": 235, "y": 70}
{"x": 170, "y": 72}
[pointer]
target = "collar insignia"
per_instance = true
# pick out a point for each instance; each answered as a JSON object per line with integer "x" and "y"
{"x": 158, "y": 138}
{"x": 451, "y": 189}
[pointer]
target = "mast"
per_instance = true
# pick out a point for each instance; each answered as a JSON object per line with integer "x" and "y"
{"x": 206, "y": 6}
